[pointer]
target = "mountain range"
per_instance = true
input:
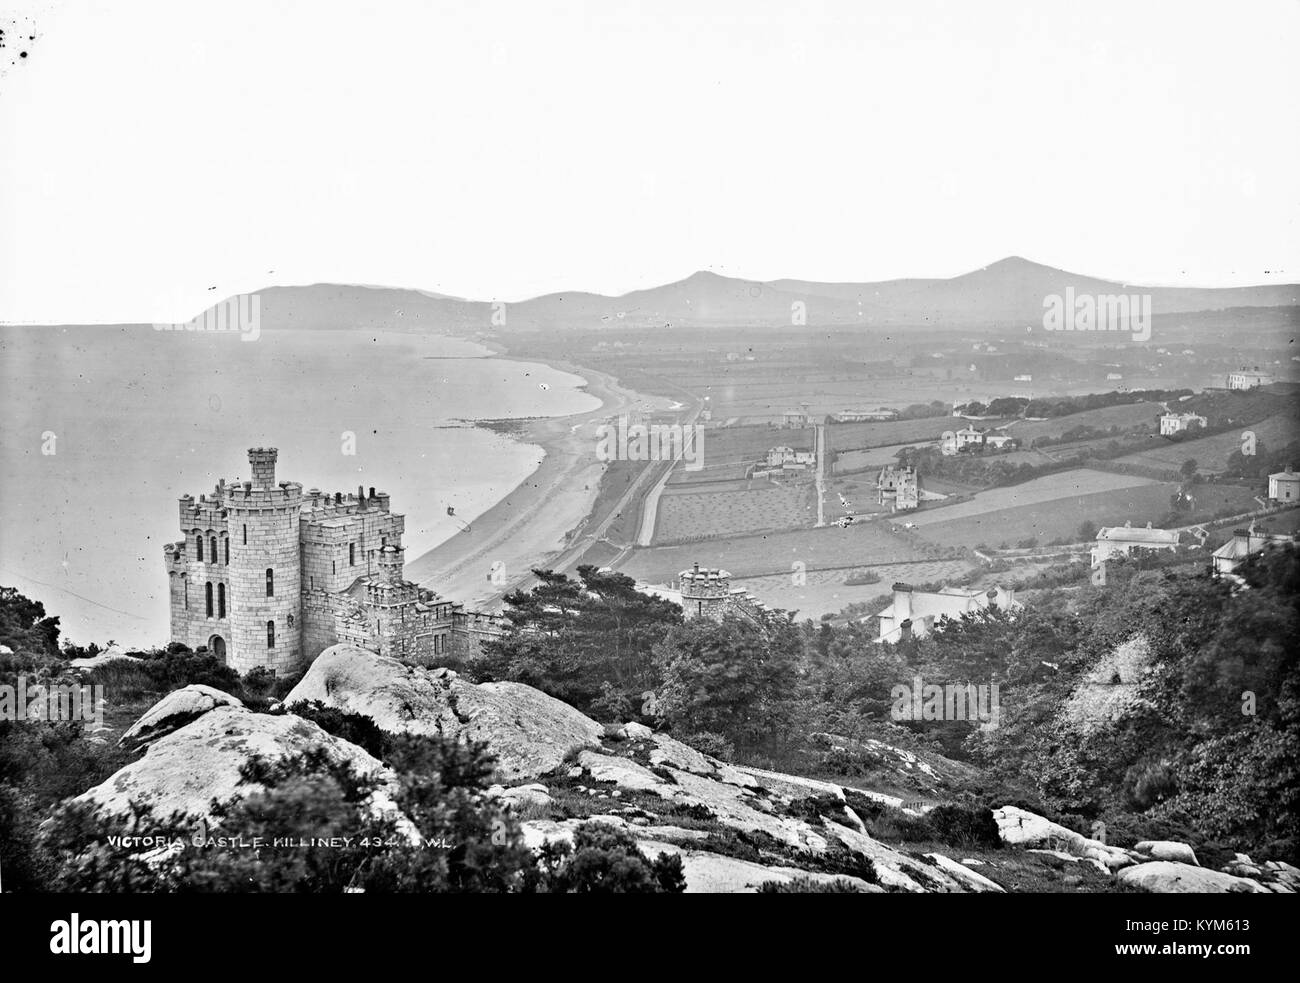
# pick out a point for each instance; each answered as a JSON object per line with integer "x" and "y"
{"x": 1009, "y": 293}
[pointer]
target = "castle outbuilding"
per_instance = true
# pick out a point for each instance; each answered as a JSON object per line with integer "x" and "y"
{"x": 267, "y": 575}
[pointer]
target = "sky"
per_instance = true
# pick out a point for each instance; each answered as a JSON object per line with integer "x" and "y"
{"x": 150, "y": 151}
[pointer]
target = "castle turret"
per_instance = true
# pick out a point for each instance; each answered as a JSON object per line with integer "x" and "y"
{"x": 262, "y": 460}
{"x": 265, "y": 568}
{"x": 704, "y": 592}
{"x": 391, "y": 559}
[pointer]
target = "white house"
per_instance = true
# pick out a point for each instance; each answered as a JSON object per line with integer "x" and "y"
{"x": 1284, "y": 486}
{"x": 1122, "y": 540}
{"x": 1244, "y": 543}
{"x": 914, "y": 613}
{"x": 1172, "y": 423}
{"x": 1246, "y": 379}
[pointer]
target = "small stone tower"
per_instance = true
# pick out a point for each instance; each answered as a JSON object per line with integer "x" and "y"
{"x": 265, "y": 568}
{"x": 705, "y": 593}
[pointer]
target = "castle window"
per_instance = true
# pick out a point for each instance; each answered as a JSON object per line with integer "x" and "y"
{"x": 213, "y": 543}
{"x": 290, "y": 621}
{"x": 221, "y": 600}
{"x": 207, "y": 593}
{"x": 245, "y": 534}
{"x": 270, "y": 634}
{"x": 334, "y": 566}
{"x": 198, "y": 547}
{"x": 352, "y": 554}
{"x": 270, "y": 582}
{"x": 227, "y": 551}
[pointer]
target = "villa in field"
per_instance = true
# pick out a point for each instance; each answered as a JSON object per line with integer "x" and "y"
{"x": 1249, "y": 379}
{"x": 914, "y": 613}
{"x": 1123, "y": 540}
{"x": 1284, "y": 487}
{"x": 1172, "y": 423}
{"x": 784, "y": 460}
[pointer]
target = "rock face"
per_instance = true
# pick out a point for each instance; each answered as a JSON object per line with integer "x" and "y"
{"x": 174, "y": 711}
{"x": 530, "y": 732}
{"x": 1018, "y": 827}
{"x": 1168, "y": 877}
{"x": 1168, "y": 850}
{"x": 111, "y": 654}
{"x": 185, "y": 770}
{"x": 926, "y": 772}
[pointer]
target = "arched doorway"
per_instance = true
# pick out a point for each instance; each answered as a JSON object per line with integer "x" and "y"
{"x": 217, "y": 646}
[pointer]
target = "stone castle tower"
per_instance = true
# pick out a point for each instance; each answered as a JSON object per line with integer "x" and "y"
{"x": 265, "y": 572}
{"x": 267, "y": 576}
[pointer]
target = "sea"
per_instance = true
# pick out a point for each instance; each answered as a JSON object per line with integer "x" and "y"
{"x": 103, "y": 428}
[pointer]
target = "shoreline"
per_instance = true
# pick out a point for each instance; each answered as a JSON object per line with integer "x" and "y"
{"x": 535, "y": 520}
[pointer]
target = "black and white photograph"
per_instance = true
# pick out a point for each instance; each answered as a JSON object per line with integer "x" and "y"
{"x": 613, "y": 447}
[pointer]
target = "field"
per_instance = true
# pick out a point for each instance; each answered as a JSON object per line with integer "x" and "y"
{"x": 727, "y": 451}
{"x": 1062, "y": 489}
{"x": 1211, "y": 453}
{"x": 829, "y": 547}
{"x": 852, "y": 436}
{"x": 824, "y": 591}
{"x": 1048, "y": 520}
{"x": 868, "y": 459}
{"x": 1133, "y": 416}
{"x": 738, "y": 507}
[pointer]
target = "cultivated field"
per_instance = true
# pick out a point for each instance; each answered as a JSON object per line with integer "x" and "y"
{"x": 1049, "y": 520}
{"x": 1135, "y": 416}
{"x": 824, "y": 591}
{"x": 1063, "y": 488}
{"x": 685, "y": 513}
{"x": 903, "y": 433}
{"x": 1211, "y": 453}
{"x": 829, "y": 547}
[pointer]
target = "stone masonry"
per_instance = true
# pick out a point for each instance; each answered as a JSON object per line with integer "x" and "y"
{"x": 269, "y": 576}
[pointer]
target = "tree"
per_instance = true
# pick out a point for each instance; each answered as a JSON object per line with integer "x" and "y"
{"x": 1188, "y": 468}
{"x": 731, "y": 678}
{"x": 587, "y": 642}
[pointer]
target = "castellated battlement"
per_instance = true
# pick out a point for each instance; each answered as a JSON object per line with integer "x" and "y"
{"x": 704, "y": 583}
{"x": 250, "y": 496}
{"x": 708, "y": 593}
{"x": 266, "y": 575}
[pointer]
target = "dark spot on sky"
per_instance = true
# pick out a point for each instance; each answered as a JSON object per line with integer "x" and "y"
{"x": 22, "y": 54}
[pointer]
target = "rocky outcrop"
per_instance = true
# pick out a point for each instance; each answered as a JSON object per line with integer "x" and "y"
{"x": 187, "y": 769}
{"x": 705, "y": 872}
{"x": 174, "y": 711}
{"x": 1168, "y": 850}
{"x": 530, "y": 733}
{"x": 110, "y": 654}
{"x": 1168, "y": 877}
{"x": 1019, "y": 827}
{"x": 926, "y": 771}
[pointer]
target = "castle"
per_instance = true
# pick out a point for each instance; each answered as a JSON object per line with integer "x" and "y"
{"x": 708, "y": 594}
{"x": 267, "y": 576}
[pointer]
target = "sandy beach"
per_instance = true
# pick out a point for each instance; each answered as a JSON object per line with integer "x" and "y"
{"x": 541, "y": 514}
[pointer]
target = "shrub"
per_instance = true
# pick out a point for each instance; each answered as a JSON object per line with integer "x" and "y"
{"x": 714, "y": 745}
{"x": 964, "y": 825}
{"x": 605, "y": 860}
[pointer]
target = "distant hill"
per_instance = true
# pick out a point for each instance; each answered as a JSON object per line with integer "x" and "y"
{"x": 1008, "y": 293}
